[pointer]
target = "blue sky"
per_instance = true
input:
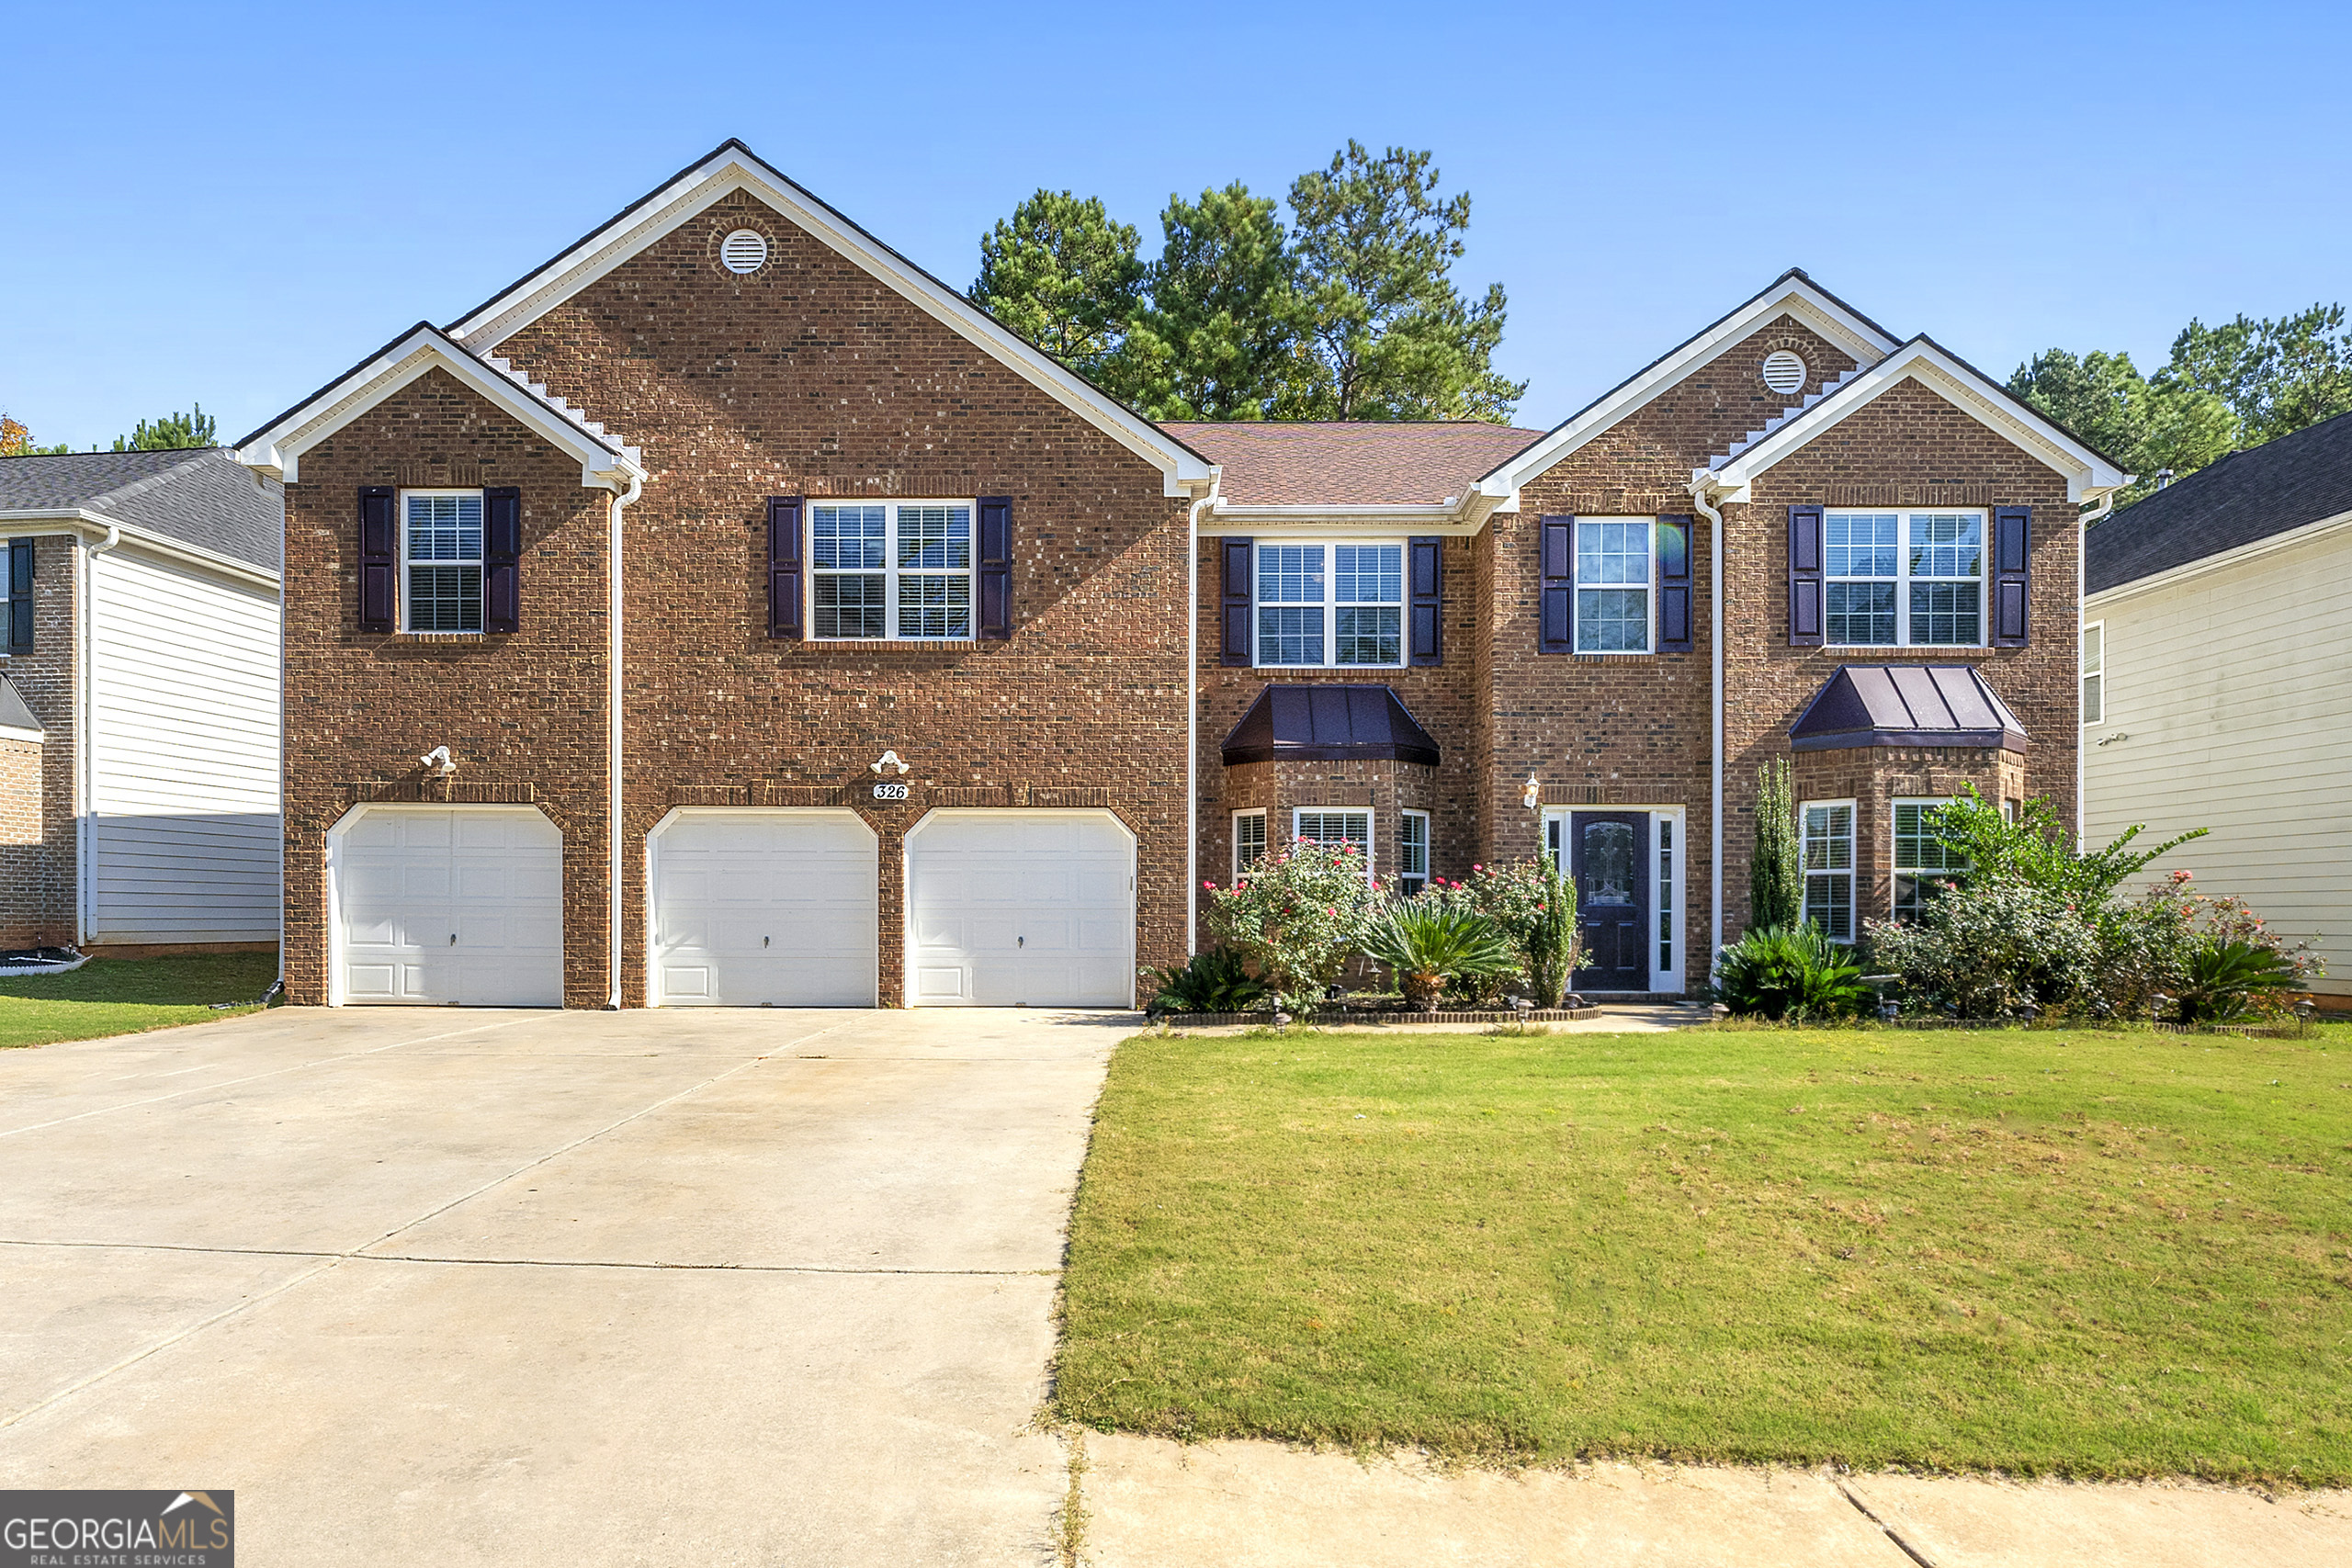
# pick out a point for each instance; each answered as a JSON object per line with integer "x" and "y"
{"x": 233, "y": 204}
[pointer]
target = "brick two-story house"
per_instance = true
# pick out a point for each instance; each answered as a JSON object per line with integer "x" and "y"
{"x": 730, "y": 612}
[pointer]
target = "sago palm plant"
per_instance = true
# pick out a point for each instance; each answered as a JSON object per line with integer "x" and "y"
{"x": 1428, "y": 944}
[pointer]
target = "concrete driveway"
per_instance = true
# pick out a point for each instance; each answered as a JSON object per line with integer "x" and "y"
{"x": 528, "y": 1287}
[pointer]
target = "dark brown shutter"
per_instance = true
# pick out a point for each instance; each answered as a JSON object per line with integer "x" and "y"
{"x": 783, "y": 565}
{"x": 1804, "y": 577}
{"x": 2012, "y": 551}
{"x": 1233, "y": 601}
{"x": 1674, "y": 586}
{"x": 996, "y": 568}
{"x": 20, "y": 595}
{"x": 379, "y": 541}
{"x": 1426, "y": 562}
{"x": 502, "y": 558}
{"x": 1556, "y": 631}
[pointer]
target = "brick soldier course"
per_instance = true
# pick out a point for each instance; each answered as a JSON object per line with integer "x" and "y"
{"x": 835, "y": 370}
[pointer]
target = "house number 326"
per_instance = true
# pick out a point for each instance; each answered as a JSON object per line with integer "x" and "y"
{"x": 889, "y": 792}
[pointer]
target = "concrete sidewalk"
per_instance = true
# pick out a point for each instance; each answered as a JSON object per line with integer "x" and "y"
{"x": 1153, "y": 1503}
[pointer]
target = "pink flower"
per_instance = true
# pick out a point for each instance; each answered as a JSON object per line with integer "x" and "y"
{"x": 1328, "y": 910}
{"x": 1210, "y": 885}
{"x": 1478, "y": 867}
{"x": 2181, "y": 876}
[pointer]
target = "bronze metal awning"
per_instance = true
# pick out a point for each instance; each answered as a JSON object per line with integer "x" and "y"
{"x": 1906, "y": 704}
{"x": 1327, "y": 724}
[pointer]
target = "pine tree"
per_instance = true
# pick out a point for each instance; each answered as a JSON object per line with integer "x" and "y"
{"x": 171, "y": 433}
{"x": 1776, "y": 875}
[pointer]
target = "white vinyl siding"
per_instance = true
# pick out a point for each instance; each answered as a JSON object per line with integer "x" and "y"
{"x": 184, "y": 726}
{"x": 2233, "y": 711}
{"x": 1329, "y": 605}
{"x": 1904, "y": 578}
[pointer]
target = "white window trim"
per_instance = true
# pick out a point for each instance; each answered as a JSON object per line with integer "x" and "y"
{"x": 1259, "y": 813}
{"x": 1852, "y": 873}
{"x": 1895, "y": 871}
{"x": 1401, "y": 543}
{"x": 1903, "y": 579}
{"x": 1369, "y": 825}
{"x": 890, "y": 568}
{"x": 1555, "y": 823}
{"x": 401, "y": 559}
{"x": 2086, "y": 676}
{"x": 1429, "y": 845}
{"x": 1648, "y": 588}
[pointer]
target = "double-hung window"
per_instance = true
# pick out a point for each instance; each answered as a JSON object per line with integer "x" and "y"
{"x": 1324, "y": 606}
{"x": 1249, "y": 839}
{"x": 1828, "y": 845}
{"x": 2094, "y": 673}
{"x": 1921, "y": 857}
{"x": 1614, "y": 584}
{"x": 1412, "y": 853}
{"x": 1336, "y": 827}
{"x": 892, "y": 570}
{"x": 1904, "y": 578}
{"x": 441, "y": 560}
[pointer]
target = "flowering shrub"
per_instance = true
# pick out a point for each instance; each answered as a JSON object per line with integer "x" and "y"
{"x": 2170, "y": 944}
{"x": 1536, "y": 907}
{"x": 1299, "y": 913}
{"x": 1989, "y": 949}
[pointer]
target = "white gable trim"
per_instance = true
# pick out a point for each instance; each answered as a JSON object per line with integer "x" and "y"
{"x": 1794, "y": 295}
{"x": 2089, "y": 475}
{"x": 279, "y": 446}
{"x": 732, "y": 168}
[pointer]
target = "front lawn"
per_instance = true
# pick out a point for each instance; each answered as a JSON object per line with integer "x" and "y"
{"x": 115, "y": 995}
{"x": 2036, "y": 1251}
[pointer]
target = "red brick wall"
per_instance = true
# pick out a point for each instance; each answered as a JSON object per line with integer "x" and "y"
{"x": 38, "y": 852}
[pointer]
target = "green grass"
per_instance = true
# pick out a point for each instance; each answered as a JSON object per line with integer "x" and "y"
{"x": 2042, "y": 1252}
{"x": 109, "y": 996}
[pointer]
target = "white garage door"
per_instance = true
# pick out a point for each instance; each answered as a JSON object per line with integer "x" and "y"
{"x": 765, "y": 908}
{"x": 450, "y": 904}
{"x": 1020, "y": 908}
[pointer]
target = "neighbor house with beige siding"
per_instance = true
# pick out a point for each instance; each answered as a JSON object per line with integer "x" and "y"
{"x": 2217, "y": 681}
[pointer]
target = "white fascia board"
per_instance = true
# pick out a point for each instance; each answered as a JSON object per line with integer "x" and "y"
{"x": 18, "y": 732}
{"x": 1185, "y": 472}
{"x": 2220, "y": 560}
{"x": 278, "y": 448}
{"x": 1797, "y": 298}
{"x": 2089, "y": 475}
{"x": 87, "y": 523}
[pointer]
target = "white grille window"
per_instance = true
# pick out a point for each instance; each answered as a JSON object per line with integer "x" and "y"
{"x": 1922, "y": 860}
{"x": 890, "y": 571}
{"x": 1828, "y": 845}
{"x": 1613, "y": 584}
{"x": 1249, "y": 839}
{"x": 2094, "y": 673}
{"x": 1904, "y": 578}
{"x": 1336, "y": 827}
{"x": 1412, "y": 853}
{"x": 1330, "y": 605}
{"x": 441, "y": 560}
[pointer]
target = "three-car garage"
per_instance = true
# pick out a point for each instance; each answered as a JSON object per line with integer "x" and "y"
{"x": 746, "y": 906}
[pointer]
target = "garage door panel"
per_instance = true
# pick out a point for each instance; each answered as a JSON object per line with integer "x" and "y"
{"x": 774, "y": 907}
{"x": 408, "y": 879}
{"x": 1008, "y": 909}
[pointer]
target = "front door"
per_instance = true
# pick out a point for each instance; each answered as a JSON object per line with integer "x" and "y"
{"x": 1606, "y": 857}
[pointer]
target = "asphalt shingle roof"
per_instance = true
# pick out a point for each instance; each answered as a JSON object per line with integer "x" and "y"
{"x": 1351, "y": 463}
{"x": 199, "y": 495}
{"x": 2245, "y": 497}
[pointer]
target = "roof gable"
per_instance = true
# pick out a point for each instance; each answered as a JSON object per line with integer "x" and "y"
{"x": 278, "y": 446}
{"x": 1348, "y": 465}
{"x": 2088, "y": 473}
{"x": 732, "y": 167}
{"x": 1792, "y": 294}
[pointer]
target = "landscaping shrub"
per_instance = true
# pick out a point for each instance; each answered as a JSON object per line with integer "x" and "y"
{"x": 1989, "y": 949}
{"x": 2215, "y": 958}
{"x": 1536, "y": 907}
{"x": 1217, "y": 980}
{"x": 2037, "y": 849}
{"x": 1788, "y": 972}
{"x": 1428, "y": 943}
{"x": 2226, "y": 978}
{"x": 1776, "y": 874}
{"x": 1298, "y": 915}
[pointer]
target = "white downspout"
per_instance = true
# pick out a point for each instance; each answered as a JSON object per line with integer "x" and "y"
{"x": 2082, "y": 554}
{"x": 613, "y": 759}
{"x": 1700, "y": 499}
{"x": 86, "y": 730}
{"x": 1192, "y": 724}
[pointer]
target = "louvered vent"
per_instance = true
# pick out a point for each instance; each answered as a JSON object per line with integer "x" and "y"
{"x": 745, "y": 250}
{"x": 1783, "y": 371}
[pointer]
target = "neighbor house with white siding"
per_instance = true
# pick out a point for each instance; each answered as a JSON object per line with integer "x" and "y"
{"x": 2217, "y": 681}
{"x": 139, "y": 702}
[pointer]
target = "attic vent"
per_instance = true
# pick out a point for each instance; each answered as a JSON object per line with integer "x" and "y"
{"x": 746, "y": 250}
{"x": 1783, "y": 371}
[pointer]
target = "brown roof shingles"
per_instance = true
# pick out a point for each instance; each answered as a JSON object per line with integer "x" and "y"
{"x": 1357, "y": 462}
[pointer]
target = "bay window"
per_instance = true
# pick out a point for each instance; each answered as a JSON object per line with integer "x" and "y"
{"x": 1828, "y": 841}
{"x": 1412, "y": 853}
{"x": 1921, "y": 858}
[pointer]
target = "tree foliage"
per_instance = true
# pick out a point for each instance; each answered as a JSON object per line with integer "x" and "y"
{"x": 171, "y": 433}
{"x": 15, "y": 441}
{"x": 1348, "y": 311}
{"x": 1776, "y": 874}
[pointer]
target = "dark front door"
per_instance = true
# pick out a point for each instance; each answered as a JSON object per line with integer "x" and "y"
{"x": 1606, "y": 857}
